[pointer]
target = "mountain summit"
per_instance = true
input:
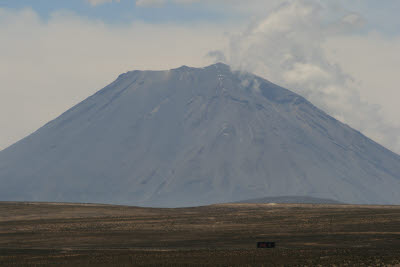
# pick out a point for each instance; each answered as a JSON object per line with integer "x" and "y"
{"x": 194, "y": 136}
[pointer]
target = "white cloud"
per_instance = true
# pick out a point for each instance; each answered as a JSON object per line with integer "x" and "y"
{"x": 46, "y": 67}
{"x": 100, "y": 2}
{"x": 292, "y": 47}
{"x": 374, "y": 63}
{"x": 304, "y": 72}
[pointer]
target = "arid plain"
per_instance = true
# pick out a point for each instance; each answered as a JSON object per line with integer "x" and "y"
{"x": 41, "y": 234}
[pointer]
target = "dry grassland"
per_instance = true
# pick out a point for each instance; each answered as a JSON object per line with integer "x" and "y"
{"x": 43, "y": 234}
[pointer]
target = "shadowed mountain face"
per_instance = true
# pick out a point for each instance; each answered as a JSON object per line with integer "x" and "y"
{"x": 193, "y": 136}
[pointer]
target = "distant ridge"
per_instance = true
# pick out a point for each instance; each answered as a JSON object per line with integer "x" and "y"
{"x": 291, "y": 200}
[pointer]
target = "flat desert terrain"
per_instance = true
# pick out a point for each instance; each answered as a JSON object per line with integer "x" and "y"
{"x": 62, "y": 234}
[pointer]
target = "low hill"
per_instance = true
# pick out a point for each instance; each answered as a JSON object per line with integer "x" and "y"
{"x": 291, "y": 199}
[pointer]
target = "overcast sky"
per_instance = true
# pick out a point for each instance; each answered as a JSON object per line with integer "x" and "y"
{"x": 342, "y": 55}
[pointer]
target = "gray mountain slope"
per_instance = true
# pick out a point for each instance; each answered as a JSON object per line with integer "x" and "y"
{"x": 194, "y": 136}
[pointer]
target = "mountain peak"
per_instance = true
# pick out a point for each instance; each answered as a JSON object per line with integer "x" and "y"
{"x": 184, "y": 67}
{"x": 195, "y": 136}
{"x": 217, "y": 66}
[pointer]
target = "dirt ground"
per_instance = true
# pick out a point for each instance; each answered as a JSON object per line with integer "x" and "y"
{"x": 43, "y": 234}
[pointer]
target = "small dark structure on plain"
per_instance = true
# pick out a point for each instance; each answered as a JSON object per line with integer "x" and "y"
{"x": 265, "y": 244}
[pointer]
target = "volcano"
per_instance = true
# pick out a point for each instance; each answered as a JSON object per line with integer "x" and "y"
{"x": 196, "y": 136}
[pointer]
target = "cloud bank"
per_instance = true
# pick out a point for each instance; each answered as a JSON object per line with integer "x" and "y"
{"x": 49, "y": 65}
{"x": 292, "y": 47}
